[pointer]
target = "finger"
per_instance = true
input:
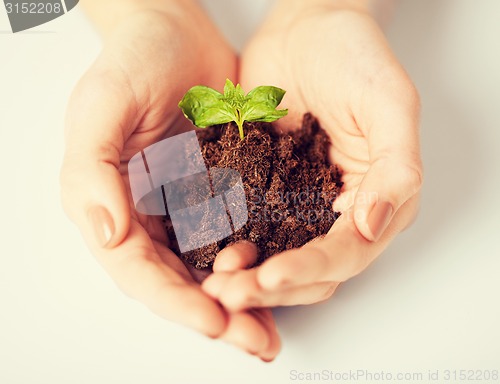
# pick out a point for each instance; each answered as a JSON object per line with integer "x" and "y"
{"x": 100, "y": 117}
{"x": 237, "y": 256}
{"x": 390, "y": 123}
{"x": 265, "y": 316}
{"x": 246, "y": 332}
{"x": 235, "y": 290}
{"x": 340, "y": 255}
{"x": 214, "y": 284}
{"x": 241, "y": 290}
{"x": 300, "y": 295}
{"x": 140, "y": 272}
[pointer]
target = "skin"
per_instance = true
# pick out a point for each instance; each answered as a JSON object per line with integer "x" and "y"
{"x": 332, "y": 59}
{"x": 334, "y": 62}
{"x": 127, "y": 101}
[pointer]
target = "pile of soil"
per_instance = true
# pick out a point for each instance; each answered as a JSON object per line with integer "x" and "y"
{"x": 288, "y": 181}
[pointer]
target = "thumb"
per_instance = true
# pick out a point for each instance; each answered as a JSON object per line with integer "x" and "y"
{"x": 395, "y": 172}
{"x": 386, "y": 187}
{"x": 99, "y": 118}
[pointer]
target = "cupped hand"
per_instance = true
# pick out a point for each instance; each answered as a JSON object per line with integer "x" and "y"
{"x": 125, "y": 102}
{"x": 335, "y": 63}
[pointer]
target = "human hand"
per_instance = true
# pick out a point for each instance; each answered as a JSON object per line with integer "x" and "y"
{"x": 334, "y": 61}
{"x": 124, "y": 103}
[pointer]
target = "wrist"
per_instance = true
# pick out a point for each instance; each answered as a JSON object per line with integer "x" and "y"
{"x": 379, "y": 10}
{"x": 108, "y": 15}
{"x": 286, "y": 13}
{"x": 298, "y": 6}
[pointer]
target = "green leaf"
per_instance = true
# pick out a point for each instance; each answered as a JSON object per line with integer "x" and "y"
{"x": 261, "y": 103}
{"x": 266, "y": 94}
{"x": 234, "y": 96}
{"x": 238, "y": 93}
{"x": 205, "y": 106}
{"x": 262, "y": 112}
{"x": 229, "y": 89}
{"x": 217, "y": 115}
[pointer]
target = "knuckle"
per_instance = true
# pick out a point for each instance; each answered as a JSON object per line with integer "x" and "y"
{"x": 406, "y": 170}
{"x": 108, "y": 153}
{"x": 326, "y": 293}
{"x": 329, "y": 291}
{"x": 414, "y": 177}
{"x": 239, "y": 299}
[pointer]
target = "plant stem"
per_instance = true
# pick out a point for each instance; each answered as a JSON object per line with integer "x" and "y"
{"x": 240, "y": 128}
{"x": 239, "y": 123}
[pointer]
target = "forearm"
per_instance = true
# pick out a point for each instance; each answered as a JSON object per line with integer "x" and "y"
{"x": 380, "y": 10}
{"x": 107, "y": 14}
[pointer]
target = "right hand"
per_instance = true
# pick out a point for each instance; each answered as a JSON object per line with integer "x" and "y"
{"x": 125, "y": 102}
{"x": 334, "y": 61}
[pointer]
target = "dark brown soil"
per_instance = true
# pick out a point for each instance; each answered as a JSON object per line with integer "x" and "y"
{"x": 289, "y": 185}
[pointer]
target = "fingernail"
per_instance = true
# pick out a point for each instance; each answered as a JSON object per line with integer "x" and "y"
{"x": 103, "y": 225}
{"x": 265, "y": 360}
{"x": 379, "y": 218}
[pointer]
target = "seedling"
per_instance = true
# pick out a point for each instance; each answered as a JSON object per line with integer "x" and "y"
{"x": 205, "y": 106}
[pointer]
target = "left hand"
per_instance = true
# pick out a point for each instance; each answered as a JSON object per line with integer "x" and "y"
{"x": 336, "y": 64}
{"x": 125, "y": 102}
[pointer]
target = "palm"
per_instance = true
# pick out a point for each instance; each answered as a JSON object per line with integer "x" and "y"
{"x": 161, "y": 119}
{"x": 164, "y": 119}
{"x": 337, "y": 65}
{"x": 129, "y": 100}
{"x": 326, "y": 75}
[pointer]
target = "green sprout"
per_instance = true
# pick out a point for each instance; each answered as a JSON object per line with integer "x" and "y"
{"x": 205, "y": 106}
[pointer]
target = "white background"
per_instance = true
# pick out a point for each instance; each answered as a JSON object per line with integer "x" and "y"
{"x": 430, "y": 302}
